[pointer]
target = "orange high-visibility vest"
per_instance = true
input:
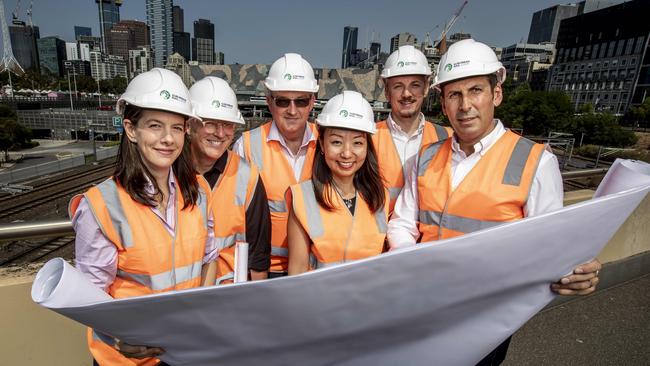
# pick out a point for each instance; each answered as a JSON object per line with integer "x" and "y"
{"x": 231, "y": 197}
{"x": 149, "y": 260}
{"x": 493, "y": 192}
{"x": 337, "y": 236}
{"x": 388, "y": 159}
{"x": 277, "y": 176}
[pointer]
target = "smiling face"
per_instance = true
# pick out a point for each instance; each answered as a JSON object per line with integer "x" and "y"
{"x": 469, "y": 104}
{"x": 159, "y": 138}
{"x": 211, "y": 138}
{"x": 406, "y": 94}
{"x": 291, "y": 118}
{"x": 344, "y": 151}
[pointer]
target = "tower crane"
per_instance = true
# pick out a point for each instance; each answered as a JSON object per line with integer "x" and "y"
{"x": 15, "y": 13}
{"x": 29, "y": 14}
{"x": 442, "y": 44}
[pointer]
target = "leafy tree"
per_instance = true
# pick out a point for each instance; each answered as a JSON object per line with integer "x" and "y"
{"x": 537, "y": 112}
{"x": 602, "y": 129}
{"x": 12, "y": 134}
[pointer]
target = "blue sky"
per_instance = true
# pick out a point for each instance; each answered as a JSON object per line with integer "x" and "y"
{"x": 261, "y": 31}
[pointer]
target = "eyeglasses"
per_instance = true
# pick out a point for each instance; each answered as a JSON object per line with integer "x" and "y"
{"x": 213, "y": 126}
{"x": 282, "y": 102}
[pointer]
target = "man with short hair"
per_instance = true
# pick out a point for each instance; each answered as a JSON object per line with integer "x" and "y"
{"x": 283, "y": 148}
{"x": 406, "y": 77}
{"x": 484, "y": 175}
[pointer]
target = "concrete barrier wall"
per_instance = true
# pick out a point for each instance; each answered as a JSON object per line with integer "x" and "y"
{"x": 41, "y": 169}
{"x": 106, "y": 153}
{"x": 32, "y": 335}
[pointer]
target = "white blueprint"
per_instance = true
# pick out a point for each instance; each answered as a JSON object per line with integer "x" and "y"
{"x": 448, "y": 303}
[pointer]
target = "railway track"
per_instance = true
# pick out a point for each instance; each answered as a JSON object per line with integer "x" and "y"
{"x": 37, "y": 251}
{"x": 76, "y": 183}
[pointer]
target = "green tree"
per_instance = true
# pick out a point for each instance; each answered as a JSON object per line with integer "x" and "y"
{"x": 602, "y": 129}
{"x": 537, "y": 112}
{"x": 12, "y": 134}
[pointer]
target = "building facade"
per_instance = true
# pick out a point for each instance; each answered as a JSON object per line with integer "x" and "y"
{"x": 24, "y": 43}
{"x": 602, "y": 57}
{"x": 127, "y": 35}
{"x": 179, "y": 65}
{"x": 51, "y": 54}
{"x": 546, "y": 22}
{"x": 350, "y": 35}
{"x": 181, "y": 42}
{"x": 109, "y": 15}
{"x": 159, "y": 20}
{"x": 104, "y": 67}
{"x": 82, "y": 31}
{"x": 203, "y": 42}
{"x": 521, "y": 59}
{"x": 140, "y": 61}
{"x": 402, "y": 39}
{"x": 77, "y": 67}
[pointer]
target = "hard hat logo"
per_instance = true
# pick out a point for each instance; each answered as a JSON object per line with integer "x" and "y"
{"x": 287, "y": 76}
{"x": 165, "y": 94}
{"x": 448, "y": 67}
{"x": 343, "y": 113}
{"x": 216, "y": 104}
{"x": 400, "y": 64}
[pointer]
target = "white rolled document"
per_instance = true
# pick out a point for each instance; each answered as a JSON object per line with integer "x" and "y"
{"x": 241, "y": 262}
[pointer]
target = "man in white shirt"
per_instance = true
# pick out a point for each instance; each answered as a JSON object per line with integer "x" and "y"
{"x": 484, "y": 174}
{"x": 406, "y": 77}
{"x": 283, "y": 149}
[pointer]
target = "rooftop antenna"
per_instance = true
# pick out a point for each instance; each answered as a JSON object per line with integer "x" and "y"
{"x": 8, "y": 62}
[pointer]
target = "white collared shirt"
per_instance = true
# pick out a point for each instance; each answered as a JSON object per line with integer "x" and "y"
{"x": 546, "y": 193}
{"x": 407, "y": 146}
{"x": 296, "y": 161}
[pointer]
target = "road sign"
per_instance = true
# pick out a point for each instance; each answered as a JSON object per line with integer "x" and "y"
{"x": 117, "y": 121}
{"x": 119, "y": 129}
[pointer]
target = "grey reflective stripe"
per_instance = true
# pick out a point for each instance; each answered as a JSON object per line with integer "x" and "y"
{"x": 315, "y": 264}
{"x": 456, "y": 223}
{"x": 427, "y": 156}
{"x": 441, "y": 132}
{"x": 101, "y": 337}
{"x": 223, "y": 242}
{"x": 394, "y": 192}
{"x": 243, "y": 176}
{"x": 279, "y": 252}
{"x": 227, "y": 276}
{"x": 165, "y": 280}
{"x": 517, "y": 162}
{"x": 314, "y": 219}
{"x": 380, "y": 218}
{"x": 109, "y": 191}
{"x": 203, "y": 206}
{"x": 256, "y": 144}
{"x": 277, "y": 206}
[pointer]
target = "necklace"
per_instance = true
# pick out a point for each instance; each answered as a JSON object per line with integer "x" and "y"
{"x": 349, "y": 202}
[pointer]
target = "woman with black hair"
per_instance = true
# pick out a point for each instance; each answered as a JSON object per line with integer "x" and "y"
{"x": 145, "y": 229}
{"x": 340, "y": 214}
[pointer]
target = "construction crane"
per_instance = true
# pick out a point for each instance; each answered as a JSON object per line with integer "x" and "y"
{"x": 29, "y": 14}
{"x": 442, "y": 44}
{"x": 16, "y": 12}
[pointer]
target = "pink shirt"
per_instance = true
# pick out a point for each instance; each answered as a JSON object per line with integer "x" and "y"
{"x": 96, "y": 256}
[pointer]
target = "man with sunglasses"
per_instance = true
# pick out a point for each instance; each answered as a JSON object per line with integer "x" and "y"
{"x": 406, "y": 77}
{"x": 283, "y": 148}
{"x": 239, "y": 206}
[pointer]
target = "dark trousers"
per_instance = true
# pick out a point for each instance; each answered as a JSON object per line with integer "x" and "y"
{"x": 497, "y": 355}
{"x": 277, "y": 274}
{"x": 160, "y": 364}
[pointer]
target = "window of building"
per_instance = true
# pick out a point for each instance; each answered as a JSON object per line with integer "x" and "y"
{"x": 629, "y": 46}
{"x": 582, "y": 67}
{"x": 623, "y": 62}
{"x": 611, "y": 48}
{"x": 614, "y": 96}
{"x": 639, "y": 44}
{"x": 580, "y": 52}
{"x": 589, "y": 65}
{"x": 597, "y": 65}
{"x": 633, "y": 61}
{"x": 603, "y": 49}
{"x": 624, "y": 96}
{"x": 621, "y": 46}
{"x": 606, "y": 96}
{"x": 606, "y": 63}
{"x": 587, "y": 86}
{"x": 595, "y": 53}
{"x": 620, "y": 85}
{"x": 572, "y": 56}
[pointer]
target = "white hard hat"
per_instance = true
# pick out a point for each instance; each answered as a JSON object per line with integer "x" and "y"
{"x": 157, "y": 89}
{"x": 348, "y": 110}
{"x": 291, "y": 72}
{"x": 213, "y": 98}
{"x": 406, "y": 60}
{"x": 468, "y": 58}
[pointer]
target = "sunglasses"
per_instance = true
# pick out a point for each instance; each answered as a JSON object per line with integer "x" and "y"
{"x": 213, "y": 126}
{"x": 282, "y": 102}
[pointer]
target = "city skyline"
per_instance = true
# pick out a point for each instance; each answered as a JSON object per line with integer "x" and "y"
{"x": 313, "y": 31}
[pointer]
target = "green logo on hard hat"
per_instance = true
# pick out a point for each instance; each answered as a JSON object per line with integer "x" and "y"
{"x": 448, "y": 67}
{"x": 400, "y": 64}
{"x": 216, "y": 104}
{"x": 343, "y": 113}
{"x": 287, "y": 76}
{"x": 165, "y": 94}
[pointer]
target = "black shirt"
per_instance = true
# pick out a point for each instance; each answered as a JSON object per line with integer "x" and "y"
{"x": 258, "y": 219}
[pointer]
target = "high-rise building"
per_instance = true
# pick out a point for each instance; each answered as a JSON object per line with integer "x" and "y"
{"x": 350, "y": 35}
{"x": 51, "y": 54}
{"x": 203, "y": 42}
{"x": 402, "y": 39}
{"x": 76, "y": 67}
{"x": 603, "y": 57}
{"x": 109, "y": 14}
{"x": 24, "y": 40}
{"x": 82, "y": 31}
{"x": 546, "y": 22}
{"x": 375, "y": 50}
{"x": 94, "y": 43}
{"x": 221, "y": 58}
{"x": 181, "y": 38}
{"x": 159, "y": 20}
{"x": 71, "y": 51}
{"x": 104, "y": 66}
{"x": 521, "y": 59}
{"x": 140, "y": 61}
{"x": 127, "y": 35}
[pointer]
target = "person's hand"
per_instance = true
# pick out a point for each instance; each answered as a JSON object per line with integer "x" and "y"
{"x": 583, "y": 281}
{"x": 131, "y": 351}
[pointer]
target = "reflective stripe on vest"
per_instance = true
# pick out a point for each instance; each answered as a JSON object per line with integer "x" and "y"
{"x": 226, "y": 277}
{"x": 256, "y": 148}
{"x": 277, "y": 206}
{"x": 228, "y": 241}
{"x": 280, "y": 252}
{"x": 517, "y": 162}
{"x": 427, "y": 155}
{"x": 243, "y": 176}
{"x": 202, "y": 203}
{"x": 164, "y": 280}
{"x": 441, "y": 132}
{"x": 456, "y": 223}
{"x": 108, "y": 188}
{"x": 394, "y": 192}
